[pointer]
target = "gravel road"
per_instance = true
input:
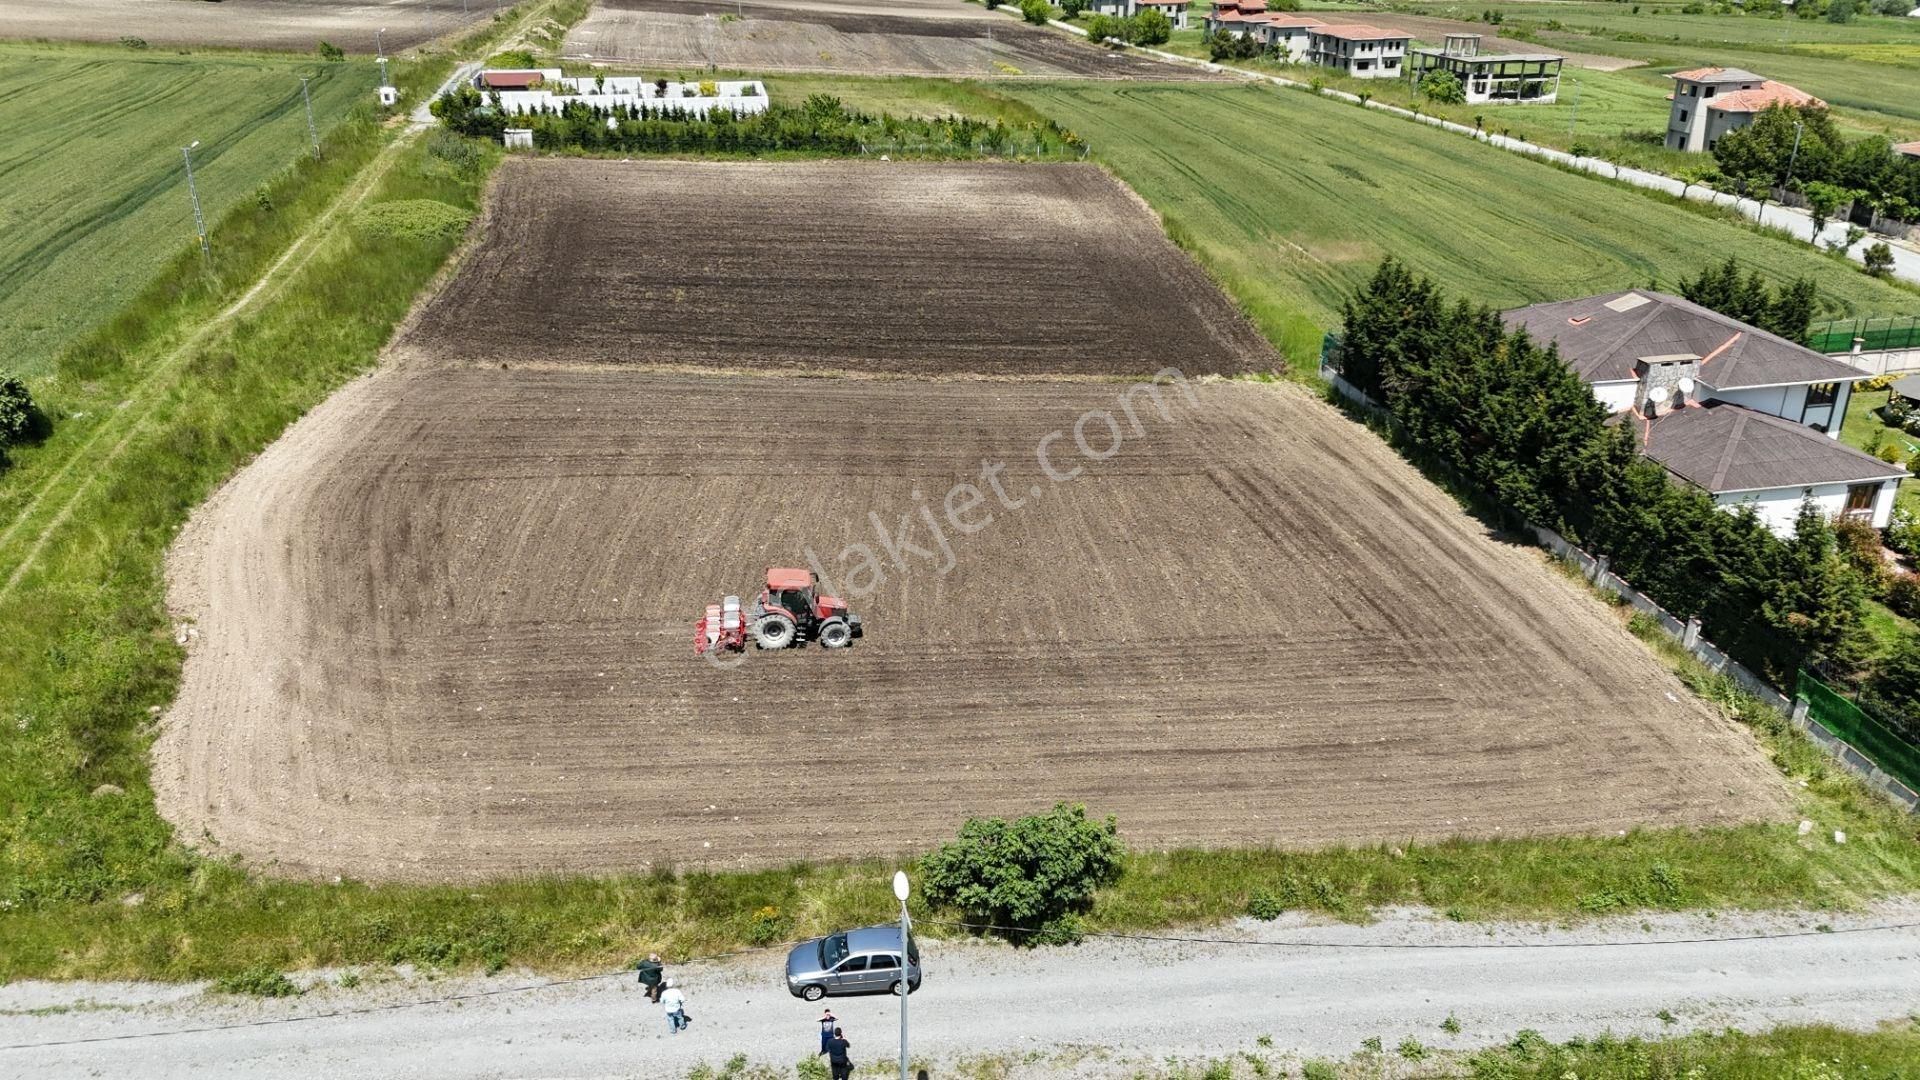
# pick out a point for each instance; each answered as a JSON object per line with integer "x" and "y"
{"x": 1132, "y": 1000}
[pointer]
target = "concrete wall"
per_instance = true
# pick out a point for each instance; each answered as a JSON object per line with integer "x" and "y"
{"x": 1883, "y": 361}
{"x": 731, "y": 97}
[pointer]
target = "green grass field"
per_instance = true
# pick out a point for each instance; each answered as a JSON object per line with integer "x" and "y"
{"x": 1291, "y": 200}
{"x": 96, "y": 193}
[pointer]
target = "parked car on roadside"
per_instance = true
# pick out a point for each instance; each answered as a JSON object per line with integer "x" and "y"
{"x": 864, "y": 961}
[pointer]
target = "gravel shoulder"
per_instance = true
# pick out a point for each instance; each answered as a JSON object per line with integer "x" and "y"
{"x": 1095, "y": 1010}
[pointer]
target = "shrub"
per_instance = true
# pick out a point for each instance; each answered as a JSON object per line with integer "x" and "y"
{"x": 1903, "y": 532}
{"x": 258, "y": 982}
{"x": 1319, "y": 1069}
{"x": 1150, "y": 27}
{"x": 412, "y": 219}
{"x": 709, "y": 88}
{"x": 1265, "y": 906}
{"x": 766, "y": 926}
{"x": 1444, "y": 87}
{"x": 1860, "y": 541}
{"x": 1879, "y": 259}
{"x": 1411, "y": 1049}
{"x": 1029, "y": 876}
{"x": 1903, "y": 595}
{"x": 331, "y": 53}
{"x": 1105, "y": 28}
{"x": 16, "y": 410}
{"x": 1073, "y": 8}
{"x": 1036, "y": 12}
{"x": 133, "y": 42}
{"x": 1229, "y": 46}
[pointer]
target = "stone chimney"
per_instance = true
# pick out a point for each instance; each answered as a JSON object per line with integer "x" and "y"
{"x": 1661, "y": 388}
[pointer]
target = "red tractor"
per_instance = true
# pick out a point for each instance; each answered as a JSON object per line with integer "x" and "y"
{"x": 789, "y": 613}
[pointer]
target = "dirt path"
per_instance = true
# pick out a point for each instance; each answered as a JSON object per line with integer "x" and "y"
{"x": 1097, "y": 1010}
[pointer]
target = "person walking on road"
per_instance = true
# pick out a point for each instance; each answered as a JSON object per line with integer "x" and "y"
{"x": 827, "y": 1020}
{"x": 837, "y": 1058}
{"x": 651, "y": 974}
{"x": 675, "y": 1003}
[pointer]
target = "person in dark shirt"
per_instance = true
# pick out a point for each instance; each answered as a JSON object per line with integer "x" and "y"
{"x": 837, "y": 1058}
{"x": 827, "y": 1020}
{"x": 651, "y": 974}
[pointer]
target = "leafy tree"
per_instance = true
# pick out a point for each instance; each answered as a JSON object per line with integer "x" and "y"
{"x": 1036, "y": 12}
{"x": 17, "y": 413}
{"x": 1760, "y": 153}
{"x": 1824, "y": 200}
{"x": 1840, "y": 11}
{"x": 1817, "y": 594}
{"x": 331, "y": 53}
{"x": 1787, "y": 311}
{"x": 1895, "y": 686}
{"x": 1150, "y": 27}
{"x": 1031, "y": 876}
{"x": 1105, "y": 28}
{"x": 1879, "y": 259}
{"x": 1073, "y": 8}
{"x": 1443, "y": 87}
{"x": 1227, "y": 45}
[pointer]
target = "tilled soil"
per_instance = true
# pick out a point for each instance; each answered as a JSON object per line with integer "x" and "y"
{"x": 297, "y": 25}
{"x": 870, "y": 266}
{"x": 917, "y": 39}
{"x": 443, "y": 627}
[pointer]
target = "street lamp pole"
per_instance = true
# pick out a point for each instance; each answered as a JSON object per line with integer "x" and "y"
{"x": 900, "y": 890}
{"x": 379, "y": 46}
{"x": 313, "y": 133}
{"x": 1798, "y": 127}
{"x": 1576, "y": 107}
{"x": 199, "y": 222}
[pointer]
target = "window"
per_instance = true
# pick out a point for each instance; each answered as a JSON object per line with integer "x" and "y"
{"x": 833, "y": 950}
{"x": 885, "y": 963}
{"x": 1824, "y": 393}
{"x": 1710, "y": 91}
{"x": 1860, "y": 499}
{"x": 1693, "y": 91}
{"x": 1363, "y": 65}
{"x": 858, "y": 963}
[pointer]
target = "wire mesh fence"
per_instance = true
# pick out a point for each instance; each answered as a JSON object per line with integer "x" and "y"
{"x": 1837, "y": 336}
{"x": 1896, "y": 756}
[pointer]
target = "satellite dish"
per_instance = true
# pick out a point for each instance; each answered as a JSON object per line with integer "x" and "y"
{"x": 1687, "y": 384}
{"x": 1659, "y": 395}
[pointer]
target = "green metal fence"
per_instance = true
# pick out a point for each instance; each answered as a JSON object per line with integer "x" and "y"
{"x": 1896, "y": 756}
{"x": 1902, "y": 332}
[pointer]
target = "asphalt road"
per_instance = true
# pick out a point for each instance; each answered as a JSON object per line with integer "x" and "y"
{"x": 1135, "y": 1001}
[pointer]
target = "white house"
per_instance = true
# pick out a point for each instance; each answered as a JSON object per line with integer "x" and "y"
{"x": 551, "y": 92}
{"x": 1752, "y": 418}
{"x": 1710, "y": 102}
{"x": 1364, "y": 52}
{"x": 1174, "y": 10}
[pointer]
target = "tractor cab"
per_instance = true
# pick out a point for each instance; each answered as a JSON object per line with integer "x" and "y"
{"x": 792, "y": 611}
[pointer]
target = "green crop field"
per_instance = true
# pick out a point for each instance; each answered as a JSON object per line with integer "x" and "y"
{"x": 96, "y": 190}
{"x": 1290, "y": 200}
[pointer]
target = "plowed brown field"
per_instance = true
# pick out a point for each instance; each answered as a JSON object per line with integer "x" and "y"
{"x": 445, "y": 623}
{"x": 872, "y": 266}
{"x": 785, "y": 35}
{"x": 298, "y": 25}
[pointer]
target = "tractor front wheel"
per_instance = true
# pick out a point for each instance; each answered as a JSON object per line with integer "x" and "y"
{"x": 773, "y": 631}
{"x": 835, "y": 634}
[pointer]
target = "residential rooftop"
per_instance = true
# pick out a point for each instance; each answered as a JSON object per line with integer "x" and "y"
{"x": 1601, "y": 337}
{"x": 1358, "y": 32}
{"x": 1727, "y": 448}
{"x": 1767, "y": 94}
{"x": 1716, "y": 75}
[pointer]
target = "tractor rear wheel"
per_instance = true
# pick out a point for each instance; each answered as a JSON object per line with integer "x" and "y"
{"x": 835, "y": 634}
{"x": 774, "y": 631}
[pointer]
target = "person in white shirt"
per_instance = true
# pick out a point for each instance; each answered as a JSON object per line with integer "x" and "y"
{"x": 675, "y": 1002}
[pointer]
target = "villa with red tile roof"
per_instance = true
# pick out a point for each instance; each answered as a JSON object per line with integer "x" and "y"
{"x": 1710, "y": 102}
{"x": 1364, "y": 52}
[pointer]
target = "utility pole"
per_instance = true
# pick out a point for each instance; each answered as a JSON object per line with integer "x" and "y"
{"x": 900, "y": 890}
{"x": 1576, "y": 107}
{"x": 313, "y": 133}
{"x": 1798, "y": 127}
{"x": 379, "y": 47}
{"x": 199, "y": 223}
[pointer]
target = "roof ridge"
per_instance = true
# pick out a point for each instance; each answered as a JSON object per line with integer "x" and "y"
{"x": 1726, "y": 454}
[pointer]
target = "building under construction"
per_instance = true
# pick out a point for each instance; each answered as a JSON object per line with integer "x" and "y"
{"x": 1491, "y": 78}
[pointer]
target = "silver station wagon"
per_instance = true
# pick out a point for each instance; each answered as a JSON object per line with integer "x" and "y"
{"x": 864, "y": 961}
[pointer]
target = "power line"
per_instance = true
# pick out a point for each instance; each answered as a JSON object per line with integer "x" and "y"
{"x": 475, "y": 995}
